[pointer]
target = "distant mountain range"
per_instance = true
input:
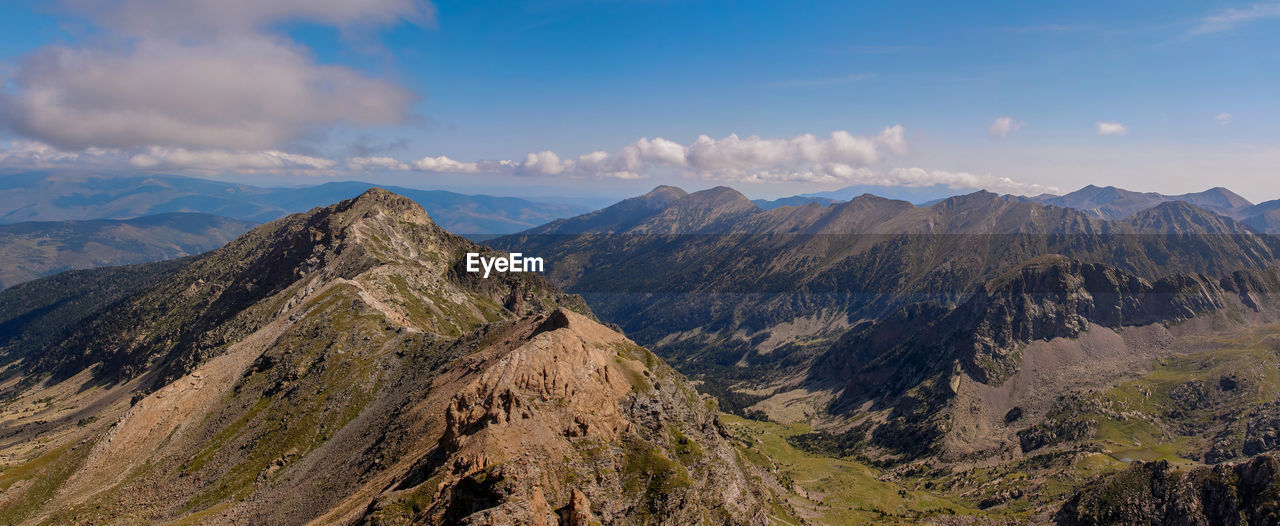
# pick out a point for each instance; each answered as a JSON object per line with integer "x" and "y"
{"x": 1115, "y": 203}
{"x": 795, "y": 200}
{"x": 912, "y": 194}
{"x": 1106, "y": 202}
{"x": 39, "y": 248}
{"x": 41, "y": 196}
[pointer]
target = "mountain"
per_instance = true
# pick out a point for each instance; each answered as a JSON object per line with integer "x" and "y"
{"x": 47, "y": 196}
{"x": 1264, "y": 217}
{"x": 708, "y": 279}
{"x": 990, "y": 347}
{"x": 342, "y": 366}
{"x": 912, "y": 194}
{"x": 795, "y": 200}
{"x": 985, "y": 358}
{"x": 1116, "y": 203}
{"x": 466, "y": 214}
{"x": 35, "y": 249}
{"x": 36, "y": 314}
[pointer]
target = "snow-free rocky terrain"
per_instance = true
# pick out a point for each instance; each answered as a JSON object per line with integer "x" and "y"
{"x": 337, "y": 366}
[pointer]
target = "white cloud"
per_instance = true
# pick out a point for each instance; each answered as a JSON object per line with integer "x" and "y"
{"x": 923, "y": 177}
{"x": 24, "y": 154}
{"x": 545, "y": 162}
{"x": 1003, "y": 127}
{"x": 1111, "y": 128}
{"x": 444, "y": 164}
{"x": 804, "y": 157}
{"x": 1230, "y": 18}
{"x": 34, "y": 154}
{"x": 202, "y": 74}
{"x": 895, "y": 138}
{"x": 912, "y": 177}
{"x": 733, "y": 154}
{"x": 241, "y": 93}
{"x": 376, "y": 163}
{"x": 218, "y": 161}
{"x": 774, "y": 163}
{"x": 1223, "y": 118}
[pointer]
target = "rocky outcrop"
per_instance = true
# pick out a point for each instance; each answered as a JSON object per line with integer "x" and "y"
{"x": 1247, "y": 493}
{"x": 582, "y": 418}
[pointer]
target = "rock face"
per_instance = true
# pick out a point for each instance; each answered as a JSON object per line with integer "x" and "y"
{"x": 1247, "y": 493}
{"x": 1051, "y": 297}
{"x": 339, "y": 366}
{"x": 908, "y": 360}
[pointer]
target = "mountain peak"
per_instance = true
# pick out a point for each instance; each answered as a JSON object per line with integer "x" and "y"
{"x": 1219, "y": 198}
{"x": 379, "y": 199}
{"x": 971, "y": 199}
{"x": 666, "y": 190}
{"x": 719, "y": 194}
{"x": 660, "y": 197}
{"x": 382, "y": 240}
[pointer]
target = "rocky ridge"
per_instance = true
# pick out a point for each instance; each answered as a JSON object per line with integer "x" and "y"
{"x": 339, "y": 366}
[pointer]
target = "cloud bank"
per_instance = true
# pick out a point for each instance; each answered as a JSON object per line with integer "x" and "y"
{"x": 23, "y": 154}
{"x": 839, "y": 158}
{"x": 244, "y": 93}
{"x": 802, "y": 158}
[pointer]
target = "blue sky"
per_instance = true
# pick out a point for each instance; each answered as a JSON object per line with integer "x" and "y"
{"x": 1190, "y": 89}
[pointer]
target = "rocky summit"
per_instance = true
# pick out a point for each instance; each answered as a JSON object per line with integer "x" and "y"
{"x": 338, "y": 367}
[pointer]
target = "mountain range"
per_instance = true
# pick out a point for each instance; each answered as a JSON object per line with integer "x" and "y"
{"x": 919, "y": 195}
{"x": 39, "y": 248}
{"x": 983, "y": 358}
{"x": 1116, "y": 203}
{"x": 978, "y": 328}
{"x": 656, "y": 263}
{"x": 1106, "y": 202}
{"x": 48, "y": 196}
